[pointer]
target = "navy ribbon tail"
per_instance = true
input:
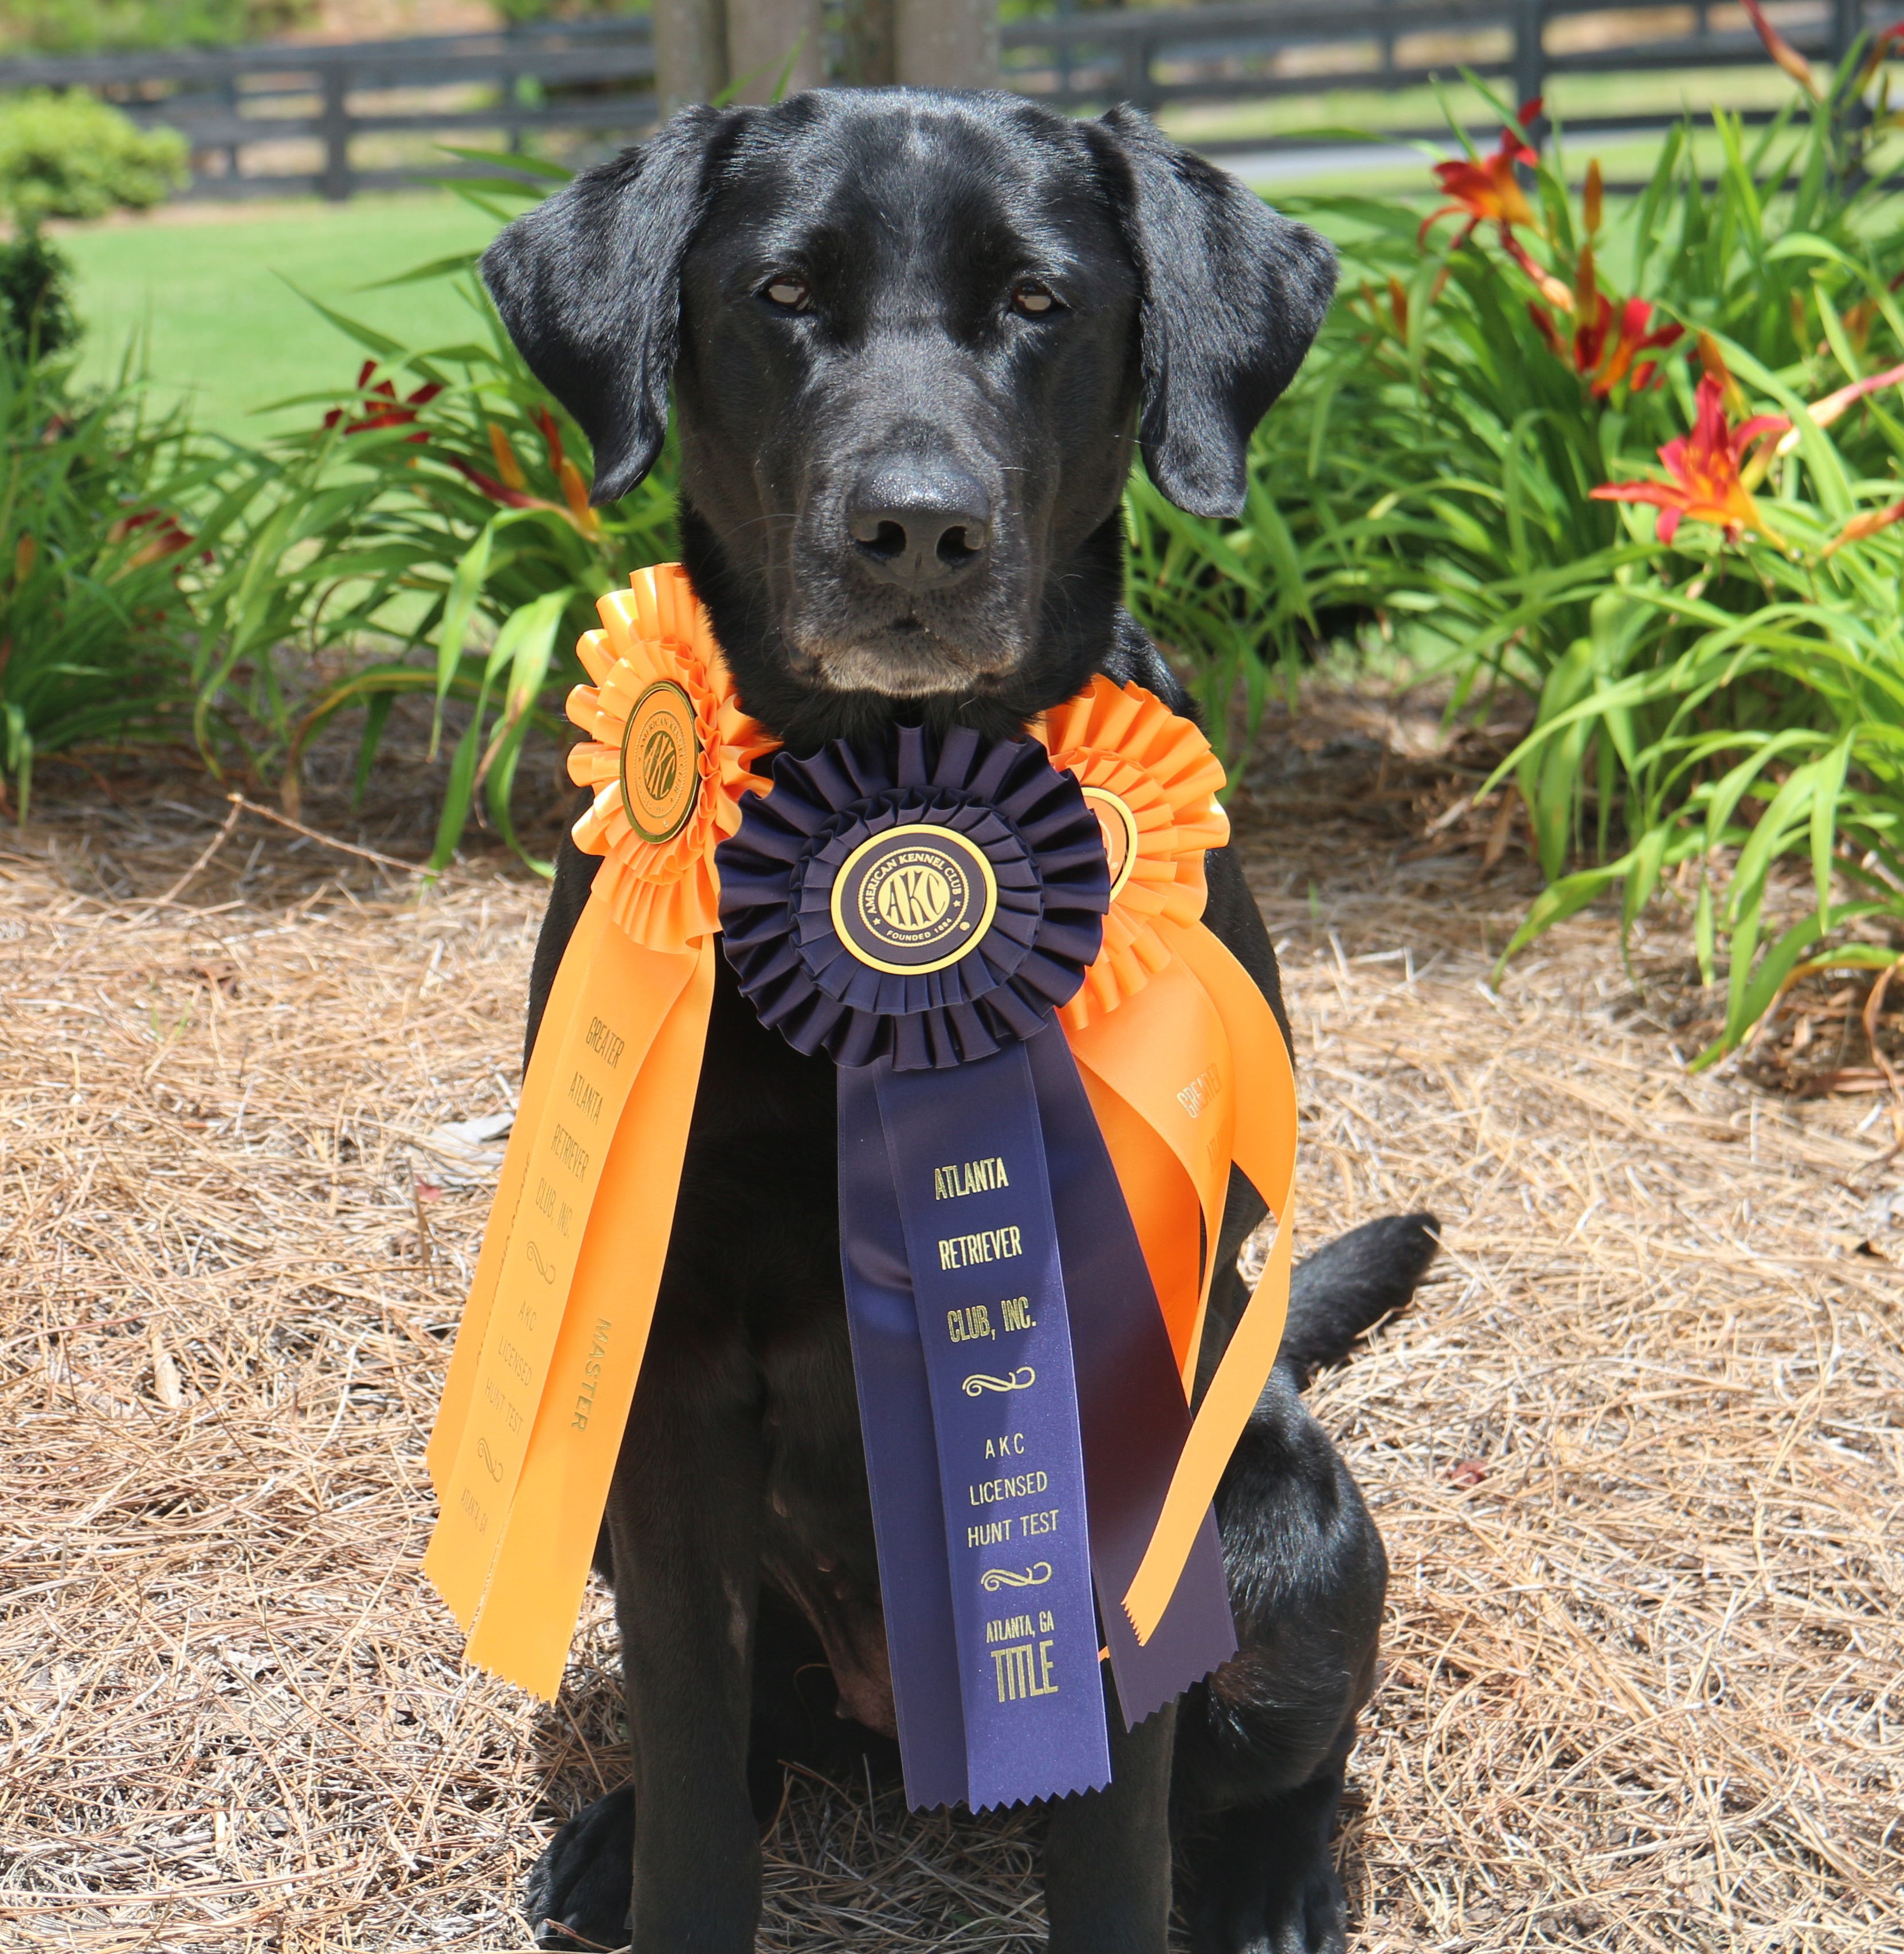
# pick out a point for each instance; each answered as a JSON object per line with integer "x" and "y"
{"x": 902, "y": 1460}
{"x": 1022, "y": 1413}
{"x": 965, "y": 1151}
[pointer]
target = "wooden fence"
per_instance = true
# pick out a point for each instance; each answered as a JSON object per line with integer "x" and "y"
{"x": 300, "y": 111}
{"x": 284, "y": 118}
{"x": 1297, "y": 47}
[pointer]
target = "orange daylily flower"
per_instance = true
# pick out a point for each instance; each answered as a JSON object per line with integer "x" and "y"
{"x": 1398, "y": 305}
{"x": 1487, "y": 191}
{"x": 507, "y": 467}
{"x": 575, "y": 492}
{"x": 1706, "y": 484}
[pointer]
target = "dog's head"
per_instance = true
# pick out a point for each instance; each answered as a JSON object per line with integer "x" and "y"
{"x": 912, "y": 338}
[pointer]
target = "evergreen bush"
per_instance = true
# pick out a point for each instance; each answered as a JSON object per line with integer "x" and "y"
{"x": 74, "y": 155}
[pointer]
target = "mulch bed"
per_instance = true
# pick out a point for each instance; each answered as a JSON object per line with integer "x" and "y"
{"x": 1636, "y": 1452}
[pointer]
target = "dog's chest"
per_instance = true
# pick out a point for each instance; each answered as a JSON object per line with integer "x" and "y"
{"x": 754, "y": 1259}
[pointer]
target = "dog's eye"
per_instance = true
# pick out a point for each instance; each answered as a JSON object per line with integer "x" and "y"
{"x": 1032, "y": 299}
{"x": 789, "y": 293}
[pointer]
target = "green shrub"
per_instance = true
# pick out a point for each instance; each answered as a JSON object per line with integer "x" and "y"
{"x": 85, "y": 27}
{"x": 36, "y": 316}
{"x": 74, "y": 155}
{"x": 95, "y": 618}
{"x": 1748, "y": 713}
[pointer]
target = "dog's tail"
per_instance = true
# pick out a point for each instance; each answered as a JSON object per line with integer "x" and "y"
{"x": 1349, "y": 1286}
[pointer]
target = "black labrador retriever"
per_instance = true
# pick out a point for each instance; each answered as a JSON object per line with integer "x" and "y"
{"x": 911, "y": 339}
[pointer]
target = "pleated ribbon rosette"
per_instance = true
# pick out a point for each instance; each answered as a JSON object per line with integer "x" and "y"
{"x": 1047, "y": 1066}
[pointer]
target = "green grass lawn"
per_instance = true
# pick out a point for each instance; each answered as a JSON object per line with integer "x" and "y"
{"x": 1374, "y": 111}
{"x": 221, "y": 328}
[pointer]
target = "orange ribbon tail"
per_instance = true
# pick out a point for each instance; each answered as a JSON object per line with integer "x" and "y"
{"x": 1264, "y": 1097}
{"x": 1162, "y": 1084}
{"x": 545, "y": 1364}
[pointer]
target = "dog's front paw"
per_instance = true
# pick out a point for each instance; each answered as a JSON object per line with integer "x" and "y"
{"x": 1308, "y": 1916}
{"x": 1302, "y": 1916}
{"x": 1263, "y": 1879}
{"x": 580, "y": 1888}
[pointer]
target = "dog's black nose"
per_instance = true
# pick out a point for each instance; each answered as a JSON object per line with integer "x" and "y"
{"x": 919, "y": 523}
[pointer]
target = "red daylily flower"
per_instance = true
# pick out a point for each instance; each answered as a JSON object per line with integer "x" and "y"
{"x": 397, "y": 413}
{"x": 1706, "y": 484}
{"x": 551, "y": 437}
{"x": 1486, "y": 192}
{"x": 1598, "y": 352}
{"x": 1887, "y": 44}
{"x": 164, "y": 536}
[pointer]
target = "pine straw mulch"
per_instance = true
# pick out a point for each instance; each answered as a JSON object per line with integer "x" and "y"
{"x": 1636, "y": 1451}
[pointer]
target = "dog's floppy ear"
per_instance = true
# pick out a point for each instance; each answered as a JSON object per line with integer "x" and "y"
{"x": 1233, "y": 295}
{"x": 589, "y": 285}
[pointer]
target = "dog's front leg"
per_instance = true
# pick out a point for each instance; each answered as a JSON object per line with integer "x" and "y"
{"x": 1108, "y": 1853}
{"x": 684, "y": 1521}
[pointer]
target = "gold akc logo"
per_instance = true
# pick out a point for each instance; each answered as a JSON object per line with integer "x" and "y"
{"x": 660, "y": 770}
{"x": 914, "y": 899}
{"x": 1118, "y": 825}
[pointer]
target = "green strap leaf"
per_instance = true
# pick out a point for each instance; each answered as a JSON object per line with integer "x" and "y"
{"x": 459, "y": 610}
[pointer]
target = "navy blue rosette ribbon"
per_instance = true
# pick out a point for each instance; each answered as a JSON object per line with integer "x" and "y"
{"x": 918, "y": 911}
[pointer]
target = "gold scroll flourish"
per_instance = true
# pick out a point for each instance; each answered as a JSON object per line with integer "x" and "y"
{"x": 1020, "y": 1380}
{"x": 1034, "y": 1576}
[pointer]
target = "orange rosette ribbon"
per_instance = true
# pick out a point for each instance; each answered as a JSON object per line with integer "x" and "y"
{"x": 1152, "y": 782}
{"x": 671, "y": 755}
{"x": 553, "y": 1335}
{"x": 1187, "y": 1071}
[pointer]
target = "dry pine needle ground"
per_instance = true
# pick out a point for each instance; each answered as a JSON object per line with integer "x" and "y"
{"x": 1636, "y": 1451}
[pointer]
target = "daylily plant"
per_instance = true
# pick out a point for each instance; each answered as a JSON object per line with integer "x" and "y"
{"x": 381, "y": 408}
{"x": 1600, "y": 352}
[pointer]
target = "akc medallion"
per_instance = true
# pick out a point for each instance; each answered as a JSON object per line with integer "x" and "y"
{"x": 914, "y": 900}
{"x": 661, "y": 772}
{"x": 1119, "y": 826}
